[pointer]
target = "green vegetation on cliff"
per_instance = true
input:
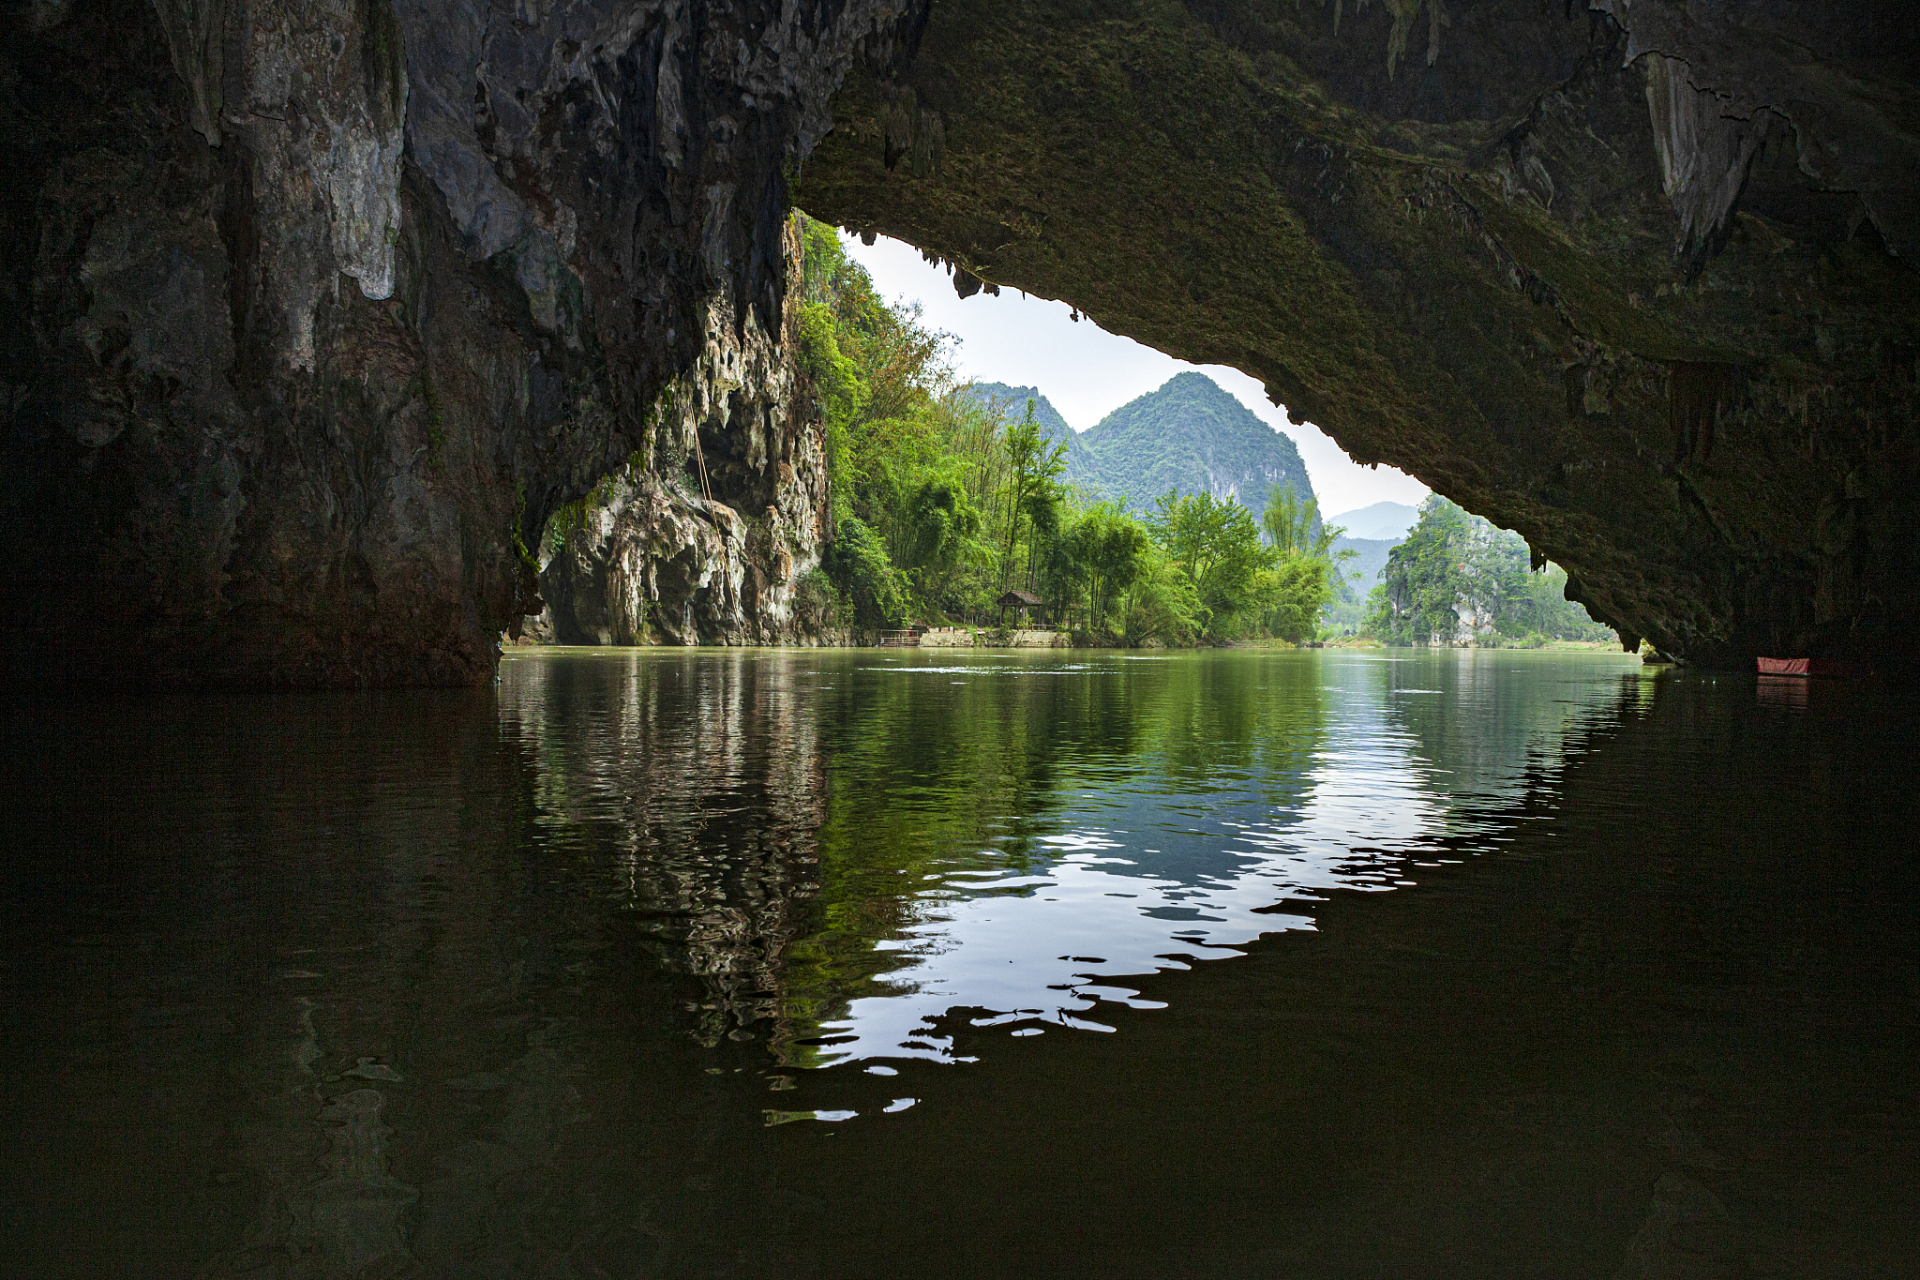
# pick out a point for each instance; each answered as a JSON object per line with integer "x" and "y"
{"x": 1457, "y": 579}
{"x": 938, "y": 502}
{"x": 1189, "y": 436}
{"x": 1193, "y": 437}
{"x": 1011, "y": 402}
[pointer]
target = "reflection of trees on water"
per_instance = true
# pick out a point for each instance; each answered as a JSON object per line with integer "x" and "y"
{"x": 1486, "y": 720}
{"x": 771, "y": 822}
{"x": 695, "y": 785}
{"x": 775, "y": 823}
{"x": 937, "y": 776}
{"x": 347, "y": 987}
{"x": 366, "y": 970}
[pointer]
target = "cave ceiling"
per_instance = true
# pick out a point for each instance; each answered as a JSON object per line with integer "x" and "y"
{"x": 1631, "y": 279}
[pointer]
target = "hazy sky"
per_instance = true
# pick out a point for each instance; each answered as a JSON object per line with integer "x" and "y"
{"x": 1088, "y": 372}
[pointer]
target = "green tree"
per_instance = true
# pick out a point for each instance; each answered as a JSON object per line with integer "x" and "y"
{"x": 1161, "y": 605}
{"x": 1458, "y": 577}
{"x": 878, "y": 375}
{"x": 840, "y": 390}
{"x": 1424, "y": 581}
{"x": 1036, "y": 465}
{"x": 857, "y": 564}
{"x": 1305, "y": 577}
{"x": 941, "y": 536}
{"x": 1218, "y": 546}
{"x": 1108, "y": 545}
{"x": 1044, "y": 513}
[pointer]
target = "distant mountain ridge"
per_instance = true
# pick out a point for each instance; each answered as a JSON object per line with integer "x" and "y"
{"x": 1370, "y": 533}
{"x": 1190, "y": 435}
{"x": 1012, "y": 401}
{"x": 1369, "y": 558}
{"x": 1387, "y": 521}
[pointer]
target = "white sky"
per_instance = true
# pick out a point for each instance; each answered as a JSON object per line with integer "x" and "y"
{"x": 1088, "y": 373}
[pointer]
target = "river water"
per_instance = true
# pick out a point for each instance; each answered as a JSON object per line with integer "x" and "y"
{"x": 867, "y": 963}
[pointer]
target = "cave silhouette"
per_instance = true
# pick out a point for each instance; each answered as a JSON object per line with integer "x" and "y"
{"x": 312, "y": 319}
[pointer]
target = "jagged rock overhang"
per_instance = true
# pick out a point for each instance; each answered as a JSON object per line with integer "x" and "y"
{"x": 1505, "y": 265}
{"x": 313, "y": 314}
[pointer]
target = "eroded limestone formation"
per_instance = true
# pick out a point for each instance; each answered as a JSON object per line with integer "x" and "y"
{"x": 712, "y": 533}
{"x": 313, "y": 315}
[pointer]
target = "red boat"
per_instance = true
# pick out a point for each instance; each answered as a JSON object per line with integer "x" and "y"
{"x": 1809, "y": 667}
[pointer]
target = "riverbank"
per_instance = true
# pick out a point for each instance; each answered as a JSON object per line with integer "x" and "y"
{"x": 1034, "y": 638}
{"x": 1550, "y": 646}
{"x": 914, "y": 637}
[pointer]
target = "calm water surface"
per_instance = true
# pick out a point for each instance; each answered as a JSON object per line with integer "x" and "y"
{"x": 869, "y": 964}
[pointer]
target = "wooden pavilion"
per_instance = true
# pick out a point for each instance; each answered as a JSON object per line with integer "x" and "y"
{"x": 1021, "y": 600}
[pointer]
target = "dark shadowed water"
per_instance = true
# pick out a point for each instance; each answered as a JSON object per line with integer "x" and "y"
{"x": 877, "y": 964}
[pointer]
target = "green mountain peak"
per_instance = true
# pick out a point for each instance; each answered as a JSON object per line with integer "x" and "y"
{"x": 1193, "y": 436}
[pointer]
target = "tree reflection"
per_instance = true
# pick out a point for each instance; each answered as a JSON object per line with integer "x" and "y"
{"x": 799, "y": 831}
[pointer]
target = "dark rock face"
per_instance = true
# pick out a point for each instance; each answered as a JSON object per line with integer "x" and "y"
{"x": 1636, "y": 280}
{"x": 312, "y": 315}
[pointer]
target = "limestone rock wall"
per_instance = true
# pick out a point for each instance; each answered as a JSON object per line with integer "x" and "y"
{"x": 310, "y": 314}
{"x": 708, "y": 537}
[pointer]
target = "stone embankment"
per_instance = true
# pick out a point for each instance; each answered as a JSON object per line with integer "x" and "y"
{"x": 947, "y": 638}
{"x": 991, "y": 638}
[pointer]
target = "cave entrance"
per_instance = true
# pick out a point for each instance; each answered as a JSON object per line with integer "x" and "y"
{"x": 952, "y": 480}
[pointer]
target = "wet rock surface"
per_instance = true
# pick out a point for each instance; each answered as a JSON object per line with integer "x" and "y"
{"x": 710, "y": 535}
{"x": 312, "y": 317}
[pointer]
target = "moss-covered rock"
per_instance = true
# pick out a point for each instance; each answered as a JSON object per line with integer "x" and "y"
{"x": 1507, "y": 246}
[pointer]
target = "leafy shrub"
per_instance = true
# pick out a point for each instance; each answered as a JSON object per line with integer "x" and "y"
{"x": 867, "y": 582}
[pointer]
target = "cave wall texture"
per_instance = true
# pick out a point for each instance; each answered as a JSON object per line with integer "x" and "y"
{"x": 1622, "y": 278}
{"x": 313, "y": 314}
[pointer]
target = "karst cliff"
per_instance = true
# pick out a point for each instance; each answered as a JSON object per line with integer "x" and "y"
{"x": 712, "y": 533}
{"x": 313, "y": 314}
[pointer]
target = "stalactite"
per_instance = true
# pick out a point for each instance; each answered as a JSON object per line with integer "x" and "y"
{"x": 1697, "y": 393}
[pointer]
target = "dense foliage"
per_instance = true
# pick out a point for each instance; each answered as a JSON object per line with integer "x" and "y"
{"x": 1459, "y": 580}
{"x": 936, "y": 498}
{"x": 944, "y": 499}
{"x": 1052, "y": 425}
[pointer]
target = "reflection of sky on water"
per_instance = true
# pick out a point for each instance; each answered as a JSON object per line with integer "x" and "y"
{"x": 1143, "y": 871}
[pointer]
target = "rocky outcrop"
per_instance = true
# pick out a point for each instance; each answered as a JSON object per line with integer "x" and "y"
{"x": 709, "y": 536}
{"x": 311, "y": 316}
